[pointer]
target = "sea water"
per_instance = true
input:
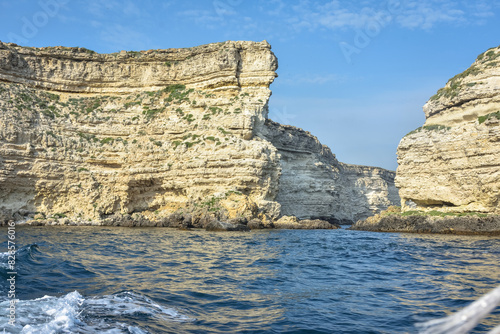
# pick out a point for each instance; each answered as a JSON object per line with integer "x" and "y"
{"x": 158, "y": 280}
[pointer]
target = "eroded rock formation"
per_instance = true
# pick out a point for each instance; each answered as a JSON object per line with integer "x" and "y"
{"x": 314, "y": 184}
{"x": 452, "y": 163}
{"x": 155, "y": 132}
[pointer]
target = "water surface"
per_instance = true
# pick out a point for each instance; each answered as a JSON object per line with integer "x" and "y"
{"x": 158, "y": 280}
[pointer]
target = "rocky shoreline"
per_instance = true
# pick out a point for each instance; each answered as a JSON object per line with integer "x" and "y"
{"x": 391, "y": 221}
{"x": 431, "y": 222}
{"x": 183, "y": 221}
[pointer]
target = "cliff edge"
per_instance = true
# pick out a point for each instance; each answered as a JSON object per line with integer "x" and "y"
{"x": 155, "y": 133}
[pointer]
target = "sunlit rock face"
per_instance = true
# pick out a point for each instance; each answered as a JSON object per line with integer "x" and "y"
{"x": 452, "y": 163}
{"x": 314, "y": 184}
{"x": 89, "y": 135}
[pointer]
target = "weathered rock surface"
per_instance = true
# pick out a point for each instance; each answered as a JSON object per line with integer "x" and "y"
{"x": 226, "y": 226}
{"x": 464, "y": 225}
{"x": 293, "y": 223}
{"x": 314, "y": 184}
{"x": 176, "y": 137}
{"x": 452, "y": 163}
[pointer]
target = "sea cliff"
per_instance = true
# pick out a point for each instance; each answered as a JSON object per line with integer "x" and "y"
{"x": 449, "y": 169}
{"x": 176, "y": 137}
{"x": 452, "y": 163}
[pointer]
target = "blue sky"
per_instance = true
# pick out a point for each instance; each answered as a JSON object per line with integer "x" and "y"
{"x": 354, "y": 73}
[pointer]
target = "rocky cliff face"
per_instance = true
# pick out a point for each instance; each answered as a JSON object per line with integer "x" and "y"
{"x": 90, "y": 135}
{"x": 452, "y": 163}
{"x": 314, "y": 184}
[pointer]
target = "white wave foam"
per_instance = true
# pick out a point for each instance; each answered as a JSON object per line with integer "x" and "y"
{"x": 4, "y": 256}
{"x": 3, "y": 260}
{"x": 44, "y": 315}
{"x": 72, "y": 313}
{"x": 132, "y": 303}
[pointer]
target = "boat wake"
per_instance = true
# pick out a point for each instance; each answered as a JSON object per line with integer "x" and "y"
{"x": 22, "y": 254}
{"x": 72, "y": 313}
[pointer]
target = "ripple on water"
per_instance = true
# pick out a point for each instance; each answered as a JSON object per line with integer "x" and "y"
{"x": 168, "y": 281}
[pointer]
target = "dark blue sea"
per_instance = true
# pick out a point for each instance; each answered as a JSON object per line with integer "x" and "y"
{"x": 159, "y": 280}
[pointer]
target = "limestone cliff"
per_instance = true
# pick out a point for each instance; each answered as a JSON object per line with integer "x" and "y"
{"x": 314, "y": 184}
{"x": 452, "y": 163}
{"x": 90, "y": 135}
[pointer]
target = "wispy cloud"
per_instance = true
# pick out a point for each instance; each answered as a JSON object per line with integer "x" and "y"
{"x": 424, "y": 14}
{"x": 206, "y": 18}
{"x": 220, "y": 13}
{"x": 107, "y": 17}
{"x": 99, "y": 8}
{"x": 273, "y": 7}
{"x": 107, "y": 8}
{"x": 284, "y": 19}
{"x": 482, "y": 10}
{"x": 124, "y": 38}
{"x": 130, "y": 9}
{"x": 315, "y": 79}
{"x": 333, "y": 15}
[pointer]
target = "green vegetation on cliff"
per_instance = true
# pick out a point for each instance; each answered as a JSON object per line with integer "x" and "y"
{"x": 454, "y": 85}
{"x": 433, "y": 127}
{"x": 482, "y": 119}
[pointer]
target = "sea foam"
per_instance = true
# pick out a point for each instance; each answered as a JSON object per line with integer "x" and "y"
{"x": 72, "y": 313}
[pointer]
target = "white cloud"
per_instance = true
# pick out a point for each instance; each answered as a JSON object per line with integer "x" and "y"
{"x": 331, "y": 16}
{"x": 423, "y": 14}
{"x": 482, "y": 10}
{"x": 280, "y": 19}
{"x": 222, "y": 8}
{"x": 99, "y": 7}
{"x": 107, "y": 8}
{"x": 123, "y": 38}
{"x": 273, "y": 7}
{"x": 206, "y": 18}
{"x": 221, "y": 12}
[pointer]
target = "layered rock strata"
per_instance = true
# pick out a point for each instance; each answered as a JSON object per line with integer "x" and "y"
{"x": 452, "y": 163}
{"x": 88, "y": 136}
{"x": 449, "y": 169}
{"x": 314, "y": 184}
